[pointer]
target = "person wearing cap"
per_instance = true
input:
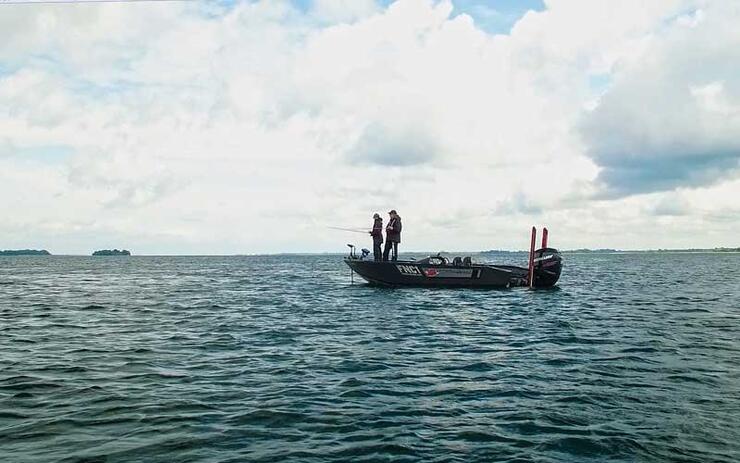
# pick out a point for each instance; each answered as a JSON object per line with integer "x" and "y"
{"x": 377, "y": 235}
{"x": 392, "y": 235}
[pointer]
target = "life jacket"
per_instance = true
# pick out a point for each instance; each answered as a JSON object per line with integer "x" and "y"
{"x": 377, "y": 233}
{"x": 393, "y": 230}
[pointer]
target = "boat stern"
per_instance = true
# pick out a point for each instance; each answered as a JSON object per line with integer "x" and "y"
{"x": 548, "y": 263}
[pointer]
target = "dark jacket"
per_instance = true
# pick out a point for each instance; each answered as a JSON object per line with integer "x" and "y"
{"x": 393, "y": 230}
{"x": 377, "y": 232}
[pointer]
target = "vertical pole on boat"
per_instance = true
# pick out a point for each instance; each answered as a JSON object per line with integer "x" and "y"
{"x": 352, "y": 256}
{"x": 544, "y": 238}
{"x": 531, "y": 257}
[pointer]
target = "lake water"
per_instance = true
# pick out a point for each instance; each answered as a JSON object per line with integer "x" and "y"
{"x": 634, "y": 357}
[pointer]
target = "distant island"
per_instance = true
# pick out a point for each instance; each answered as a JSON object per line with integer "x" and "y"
{"x": 25, "y": 252}
{"x": 620, "y": 251}
{"x": 591, "y": 250}
{"x": 690, "y": 250}
{"x": 700, "y": 250}
{"x": 500, "y": 251}
{"x": 114, "y": 252}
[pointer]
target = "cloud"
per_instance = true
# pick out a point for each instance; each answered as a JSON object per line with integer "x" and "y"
{"x": 672, "y": 117}
{"x": 394, "y": 146}
{"x": 671, "y": 205}
{"x": 343, "y": 11}
{"x": 518, "y": 203}
{"x": 497, "y": 17}
{"x": 247, "y": 127}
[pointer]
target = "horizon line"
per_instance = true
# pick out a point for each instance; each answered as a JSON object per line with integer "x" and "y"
{"x": 719, "y": 249}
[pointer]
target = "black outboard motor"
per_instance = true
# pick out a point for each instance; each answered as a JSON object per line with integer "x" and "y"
{"x": 547, "y": 266}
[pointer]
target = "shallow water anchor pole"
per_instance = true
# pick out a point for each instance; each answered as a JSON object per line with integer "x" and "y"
{"x": 544, "y": 238}
{"x": 531, "y": 258}
{"x": 352, "y": 255}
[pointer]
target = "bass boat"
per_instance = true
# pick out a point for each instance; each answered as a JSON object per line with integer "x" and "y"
{"x": 545, "y": 265}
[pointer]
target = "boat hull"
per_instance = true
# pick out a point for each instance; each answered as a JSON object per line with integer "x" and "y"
{"x": 425, "y": 274}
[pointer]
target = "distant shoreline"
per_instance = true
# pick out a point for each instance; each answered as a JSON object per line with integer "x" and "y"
{"x": 44, "y": 253}
{"x": 24, "y": 252}
{"x": 681, "y": 251}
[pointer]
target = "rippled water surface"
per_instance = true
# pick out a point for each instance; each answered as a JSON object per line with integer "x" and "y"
{"x": 227, "y": 359}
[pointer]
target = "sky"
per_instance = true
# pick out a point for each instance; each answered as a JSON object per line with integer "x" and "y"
{"x": 245, "y": 127}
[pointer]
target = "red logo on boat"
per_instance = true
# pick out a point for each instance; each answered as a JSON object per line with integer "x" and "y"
{"x": 431, "y": 272}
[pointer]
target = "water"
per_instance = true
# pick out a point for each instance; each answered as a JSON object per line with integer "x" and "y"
{"x": 228, "y": 359}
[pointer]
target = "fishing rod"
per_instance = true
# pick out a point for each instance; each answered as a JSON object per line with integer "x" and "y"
{"x": 353, "y": 230}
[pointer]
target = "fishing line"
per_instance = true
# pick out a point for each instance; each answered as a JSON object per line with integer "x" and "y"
{"x": 353, "y": 230}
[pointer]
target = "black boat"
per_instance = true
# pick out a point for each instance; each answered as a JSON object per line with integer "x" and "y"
{"x": 545, "y": 265}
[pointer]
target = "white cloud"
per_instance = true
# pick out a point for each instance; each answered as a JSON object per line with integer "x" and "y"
{"x": 337, "y": 11}
{"x": 249, "y": 129}
{"x": 672, "y": 116}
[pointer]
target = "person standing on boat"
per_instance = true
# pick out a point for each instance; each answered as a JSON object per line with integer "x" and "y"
{"x": 377, "y": 235}
{"x": 392, "y": 235}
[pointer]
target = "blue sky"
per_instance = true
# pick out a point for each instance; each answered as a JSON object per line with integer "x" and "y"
{"x": 494, "y": 16}
{"x": 497, "y": 16}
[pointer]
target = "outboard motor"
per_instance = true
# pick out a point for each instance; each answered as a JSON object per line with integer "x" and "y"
{"x": 547, "y": 266}
{"x": 545, "y": 263}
